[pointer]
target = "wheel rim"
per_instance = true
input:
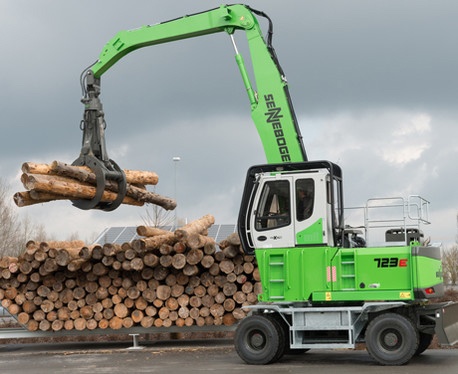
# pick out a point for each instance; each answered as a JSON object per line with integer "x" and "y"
{"x": 257, "y": 340}
{"x": 391, "y": 340}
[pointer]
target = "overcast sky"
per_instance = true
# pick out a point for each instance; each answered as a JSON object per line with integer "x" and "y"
{"x": 374, "y": 85}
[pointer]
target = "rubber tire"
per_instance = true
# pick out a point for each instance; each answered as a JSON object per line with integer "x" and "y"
{"x": 259, "y": 340}
{"x": 424, "y": 342}
{"x": 285, "y": 327}
{"x": 391, "y": 339}
{"x": 283, "y": 334}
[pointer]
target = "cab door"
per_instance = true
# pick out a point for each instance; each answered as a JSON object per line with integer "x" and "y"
{"x": 313, "y": 206}
{"x": 272, "y": 217}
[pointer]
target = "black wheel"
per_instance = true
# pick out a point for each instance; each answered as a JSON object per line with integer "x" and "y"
{"x": 391, "y": 339}
{"x": 285, "y": 328}
{"x": 424, "y": 342}
{"x": 259, "y": 340}
{"x": 282, "y": 334}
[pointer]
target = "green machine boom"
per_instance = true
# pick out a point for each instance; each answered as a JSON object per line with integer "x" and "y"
{"x": 269, "y": 99}
{"x": 324, "y": 284}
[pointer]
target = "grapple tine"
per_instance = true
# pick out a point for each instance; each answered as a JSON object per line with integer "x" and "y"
{"x": 103, "y": 173}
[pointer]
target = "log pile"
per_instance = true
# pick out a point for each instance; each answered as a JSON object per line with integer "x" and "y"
{"x": 180, "y": 278}
{"x": 60, "y": 181}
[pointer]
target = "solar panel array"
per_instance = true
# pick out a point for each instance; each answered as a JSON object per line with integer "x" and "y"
{"x": 120, "y": 235}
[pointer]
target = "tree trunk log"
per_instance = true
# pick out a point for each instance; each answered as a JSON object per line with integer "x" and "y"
{"x": 195, "y": 227}
{"x": 153, "y": 242}
{"x": 179, "y": 261}
{"x": 32, "y": 197}
{"x": 150, "y": 231}
{"x": 60, "y": 168}
{"x": 194, "y": 256}
{"x": 69, "y": 188}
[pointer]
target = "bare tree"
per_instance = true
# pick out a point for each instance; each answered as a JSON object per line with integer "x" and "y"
{"x": 9, "y": 230}
{"x": 73, "y": 236}
{"x": 450, "y": 264}
{"x": 157, "y": 216}
{"x": 451, "y": 260}
{"x": 91, "y": 237}
{"x": 14, "y": 231}
{"x": 40, "y": 233}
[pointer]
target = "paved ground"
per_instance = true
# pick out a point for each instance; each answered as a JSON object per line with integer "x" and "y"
{"x": 210, "y": 356}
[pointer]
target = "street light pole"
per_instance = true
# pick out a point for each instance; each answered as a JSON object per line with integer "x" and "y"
{"x": 175, "y": 160}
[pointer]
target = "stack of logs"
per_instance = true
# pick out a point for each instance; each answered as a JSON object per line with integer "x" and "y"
{"x": 180, "y": 278}
{"x": 60, "y": 181}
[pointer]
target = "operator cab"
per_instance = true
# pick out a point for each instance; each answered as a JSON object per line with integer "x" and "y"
{"x": 291, "y": 205}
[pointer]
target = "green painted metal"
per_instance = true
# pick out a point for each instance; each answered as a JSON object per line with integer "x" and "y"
{"x": 271, "y": 107}
{"x": 312, "y": 234}
{"x": 427, "y": 258}
{"x": 426, "y": 279}
{"x": 223, "y": 19}
{"x": 326, "y": 274}
{"x": 291, "y": 274}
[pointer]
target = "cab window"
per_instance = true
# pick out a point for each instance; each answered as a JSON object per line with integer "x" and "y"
{"x": 273, "y": 209}
{"x": 305, "y": 197}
